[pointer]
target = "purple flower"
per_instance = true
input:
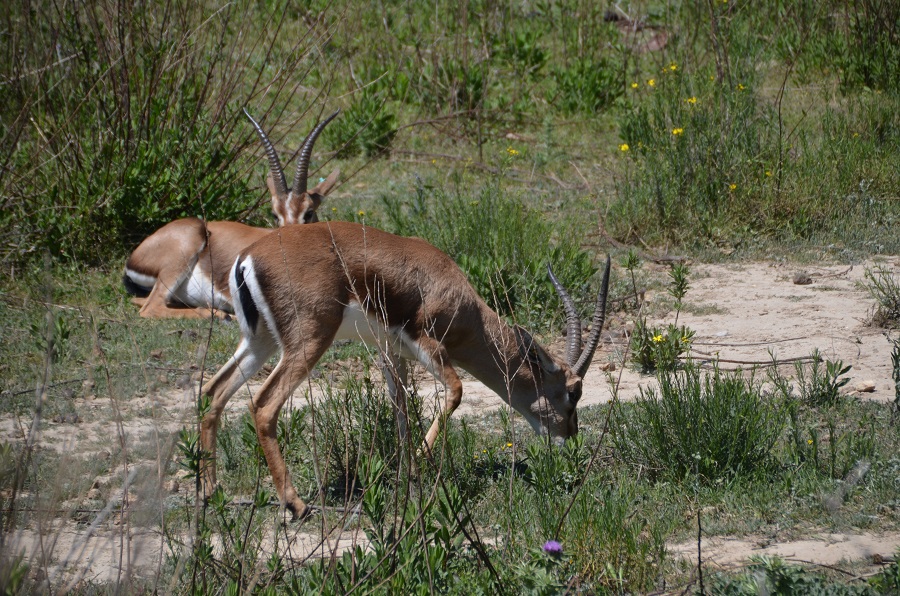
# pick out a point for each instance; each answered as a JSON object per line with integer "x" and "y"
{"x": 553, "y": 548}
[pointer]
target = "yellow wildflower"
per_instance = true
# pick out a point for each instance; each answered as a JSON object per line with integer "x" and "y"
{"x": 809, "y": 441}
{"x": 691, "y": 100}
{"x": 769, "y": 173}
{"x": 677, "y": 131}
{"x": 361, "y": 213}
{"x": 624, "y": 147}
{"x": 509, "y": 444}
{"x": 512, "y": 151}
{"x": 673, "y": 67}
{"x": 740, "y": 87}
{"x": 652, "y": 82}
{"x": 657, "y": 338}
{"x": 732, "y": 186}
{"x": 634, "y": 85}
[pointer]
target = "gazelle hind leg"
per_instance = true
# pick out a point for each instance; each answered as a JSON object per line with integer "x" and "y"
{"x": 292, "y": 369}
{"x": 246, "y": 362}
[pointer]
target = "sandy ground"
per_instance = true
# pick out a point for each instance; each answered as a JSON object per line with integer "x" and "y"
{"x": 740, "y": 313}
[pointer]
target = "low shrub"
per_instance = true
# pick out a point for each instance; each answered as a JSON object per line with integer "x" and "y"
{"x": 712, "y": 425}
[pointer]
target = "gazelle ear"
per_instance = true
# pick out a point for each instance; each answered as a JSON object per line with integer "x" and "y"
{"x": 325, "y": 186}
{"x": 278, "y": 206}
{"x": 533, "y": 352}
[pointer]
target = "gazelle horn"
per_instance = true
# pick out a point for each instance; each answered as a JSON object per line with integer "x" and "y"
{"x": 305, "y": 153}
{"x": 274, "y": 163}
{"x": 573, "y": 321}
{"x": 573, "y": 324}
{"x": 596, "y": 325}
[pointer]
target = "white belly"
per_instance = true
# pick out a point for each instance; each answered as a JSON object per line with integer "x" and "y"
{"x": 197, "y": 290}
{"x": 358, "y": 325}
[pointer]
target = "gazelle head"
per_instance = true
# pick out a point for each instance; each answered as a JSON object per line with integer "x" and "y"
{"x": 559, "y": 383}
{"x": 297, "y": 204}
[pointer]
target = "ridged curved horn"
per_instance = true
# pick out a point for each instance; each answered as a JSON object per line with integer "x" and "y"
{"x": 573, "y": 321}
{"x": 584, "y": 360}
{"x": 305, "y": 153}
{"x": 274, "y": 163}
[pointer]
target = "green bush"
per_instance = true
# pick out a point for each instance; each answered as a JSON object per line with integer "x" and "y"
{"x": 884, "y": 288}
{"x": 713, "y": 426}
{"x": 587, "y": 86}
{"x": 365, "y": 128}
{"x": 127, "y": 129}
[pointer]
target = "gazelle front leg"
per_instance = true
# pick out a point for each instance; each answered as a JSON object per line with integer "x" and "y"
{"x": 432, "y": 354}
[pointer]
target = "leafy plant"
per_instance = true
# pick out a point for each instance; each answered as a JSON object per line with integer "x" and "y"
{"x": 366, "y": 128}
{"x": 655, "y": 348}
{"x": 553, "y": 471}
{"x": 771, "y": 575}
{"x": 884, "y": 288}
{"x": 818, "y": 387}
{"x": 587, "y": 86}
{"x": 713, "y": 425}
{"x": 659, "y": 348}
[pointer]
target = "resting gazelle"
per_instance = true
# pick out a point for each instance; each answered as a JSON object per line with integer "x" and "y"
{"x": 181, "y": 270}
{"x": 302, "y": 287}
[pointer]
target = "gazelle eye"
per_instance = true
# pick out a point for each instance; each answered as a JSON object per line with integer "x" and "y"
{"x": 308, "y": 216}
{"x": 573, "y": 396}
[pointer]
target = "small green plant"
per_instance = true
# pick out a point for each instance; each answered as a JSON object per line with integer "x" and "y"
{"x": 659, "y": 348}
{"x": 818, "y": 387}
{"x": 410, "y": 550}
{"x": 884, "y": 288}
{"x": 713, "y": 425}
{"x": 678, "y": 286}
{"x": 366, "y": 128}
{"x": 539, "y": 575}
{"x": 556, "y": 471}
{"x": 51, "y": 336}
{"x": 888, "y": 581}
{"x": 771, "y": 575}
{"x": 655, "y": 348}
{"x": 630, "y": 263}
{"x": 587, "y": 86}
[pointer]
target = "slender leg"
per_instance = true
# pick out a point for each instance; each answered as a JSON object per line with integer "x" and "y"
{"x": 434, "y": 357}
{"x": 287, "y": 376}
{"x": 159, "y": 304}
{"x": 246, "y": 362}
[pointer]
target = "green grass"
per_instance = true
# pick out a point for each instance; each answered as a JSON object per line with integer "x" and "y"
{"x": 511, "y": 136}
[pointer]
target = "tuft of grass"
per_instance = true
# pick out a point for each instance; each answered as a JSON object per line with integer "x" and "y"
{"x": 884, "y": 288}
{"x": 709, "y": 426}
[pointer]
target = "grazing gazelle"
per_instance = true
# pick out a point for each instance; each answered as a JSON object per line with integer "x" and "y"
{"x": 181, "y": 270}
{"x": 302, "y": 287}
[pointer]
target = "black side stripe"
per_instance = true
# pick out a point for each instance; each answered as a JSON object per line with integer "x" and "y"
{"x": 135, "y": 289}
{"x": 248, "y": 306}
